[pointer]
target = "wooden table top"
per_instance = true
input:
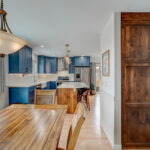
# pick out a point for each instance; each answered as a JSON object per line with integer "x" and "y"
{"x": 31, "y": 127}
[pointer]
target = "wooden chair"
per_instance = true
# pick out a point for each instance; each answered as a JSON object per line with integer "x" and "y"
{"x": 78, "y": 120}
{"x": 45, "y": 97}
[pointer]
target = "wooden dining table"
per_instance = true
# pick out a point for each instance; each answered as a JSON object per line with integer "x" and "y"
{"x": 31, "y": 127}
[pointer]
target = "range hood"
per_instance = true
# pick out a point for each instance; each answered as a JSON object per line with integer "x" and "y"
{"x": 62, "y": 65}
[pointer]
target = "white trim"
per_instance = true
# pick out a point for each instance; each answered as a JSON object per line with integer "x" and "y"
{"x": 109, "y": 138}
{"x": 117, "y": 147}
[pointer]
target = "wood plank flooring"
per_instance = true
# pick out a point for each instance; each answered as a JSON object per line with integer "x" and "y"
{"x": 92, "y": 136}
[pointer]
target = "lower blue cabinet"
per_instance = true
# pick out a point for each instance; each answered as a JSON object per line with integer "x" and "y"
{"x": 21, "y": 95}
{"x": 51, "y": 85}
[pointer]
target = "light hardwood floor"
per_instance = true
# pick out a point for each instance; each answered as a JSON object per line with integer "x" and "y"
{"x": 92, "y": 136}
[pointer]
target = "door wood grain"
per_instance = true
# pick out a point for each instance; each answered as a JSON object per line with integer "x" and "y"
{"x": 135, "y": 80}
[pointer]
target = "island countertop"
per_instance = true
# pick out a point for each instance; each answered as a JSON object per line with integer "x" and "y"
{"x": 74, "y": 85}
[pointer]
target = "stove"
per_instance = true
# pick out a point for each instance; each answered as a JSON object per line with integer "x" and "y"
{"x": 62, "y": 79}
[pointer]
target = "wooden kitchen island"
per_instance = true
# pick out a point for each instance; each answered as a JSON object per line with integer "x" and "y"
{"x": 67, "y": 94}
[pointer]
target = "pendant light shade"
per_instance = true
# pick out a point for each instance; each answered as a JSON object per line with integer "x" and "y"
{"x": 9, "y": 43}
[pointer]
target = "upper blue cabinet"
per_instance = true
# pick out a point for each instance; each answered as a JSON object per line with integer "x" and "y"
{"x": 72, "y": 65}
{"x": 21, "y": 61}
{"x": 41, "y": 64}
{"x": 47, "y": 64}
{"x": 82, "y": 61}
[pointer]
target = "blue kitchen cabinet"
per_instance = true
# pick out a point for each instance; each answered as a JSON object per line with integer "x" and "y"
{"x": 82, "y": 61}
{"x": 47, "y": 86}
{"x": 72, "y": 65}
{"x": 21, "y": 61}
{"x": 21, "y": 95}
{"x": 14, "y": 63}
{"x": 28, "y": 59}
{"x": 31, "y": 94}
{"x": 51, "y": 85}
{"x": 50, "y": 65}
{"x": 47, "y": 65}
{"x": 41, "y": 64}
{"x": 53, "y": 65}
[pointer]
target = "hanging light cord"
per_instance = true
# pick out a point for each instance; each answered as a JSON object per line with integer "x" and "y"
{"x": 4, "y": 23}
{"x": 2, "y": 4}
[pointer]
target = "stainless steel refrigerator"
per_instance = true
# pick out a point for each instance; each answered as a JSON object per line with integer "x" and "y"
{"x": 82, "y": 74}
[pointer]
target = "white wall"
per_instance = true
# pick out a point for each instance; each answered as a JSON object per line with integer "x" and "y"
{"x": 107, "y": 42}
{"x": 4, "y": 96}
{"x": 117, "y": 71}
{"x": 107, "y": 83}
{"x": 111, "y": 86}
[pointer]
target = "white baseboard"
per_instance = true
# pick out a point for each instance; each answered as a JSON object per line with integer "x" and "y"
{"x": 110, "y": 140}
{"x": 117, "y": 147}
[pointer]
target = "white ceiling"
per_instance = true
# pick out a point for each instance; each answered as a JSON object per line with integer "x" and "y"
{"x": 53, "y": 23}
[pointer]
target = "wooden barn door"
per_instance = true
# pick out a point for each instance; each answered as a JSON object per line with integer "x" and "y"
{"x": 135, "y": 80}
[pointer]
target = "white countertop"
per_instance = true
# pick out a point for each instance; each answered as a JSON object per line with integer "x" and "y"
{"x": 74, "y": 85}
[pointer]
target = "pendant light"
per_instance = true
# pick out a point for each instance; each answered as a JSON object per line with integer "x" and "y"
{"x": 67, "y": 58}
{"x": 9, "y": 43}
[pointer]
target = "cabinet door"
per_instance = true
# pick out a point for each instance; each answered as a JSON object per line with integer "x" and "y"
{"x": 47, "y": 65}
{"x": 52, "y": 85}
{"x": 28, "y": 68}
{"x": 22, "y": 60}
{"x": 77, "y": 61}
{"x": 50, "y": 65}
{"x": 41, "y": 64}
{"x": 47, "y": 86}
{"x": 19, "y": 95}
{"x": 14, "y": 62}
{"x": 83, "y": 61}
{"x": 72, "y": 66}
{"x": 53, "y": 65}
{"x": 31, "y": 94}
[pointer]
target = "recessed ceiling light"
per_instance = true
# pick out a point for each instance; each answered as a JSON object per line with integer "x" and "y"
{"x": 42, "y": 46}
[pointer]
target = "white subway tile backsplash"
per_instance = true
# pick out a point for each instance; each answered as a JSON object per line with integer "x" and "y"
{"x": 26, "y": 80}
